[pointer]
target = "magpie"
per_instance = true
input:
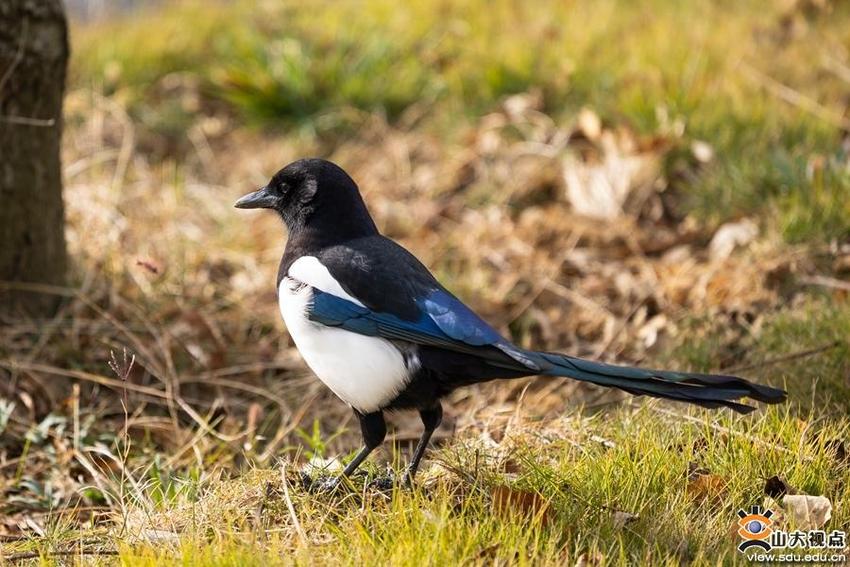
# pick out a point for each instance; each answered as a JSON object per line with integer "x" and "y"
{"x": 383, "y": 334}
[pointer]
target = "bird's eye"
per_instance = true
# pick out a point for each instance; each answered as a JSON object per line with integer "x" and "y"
{"x": 279, "y": 189}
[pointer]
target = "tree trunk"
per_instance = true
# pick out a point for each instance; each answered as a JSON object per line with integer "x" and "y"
{"x": 33, "y": 61}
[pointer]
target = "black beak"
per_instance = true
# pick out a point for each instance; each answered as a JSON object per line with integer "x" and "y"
{"x": 260, "y": 199}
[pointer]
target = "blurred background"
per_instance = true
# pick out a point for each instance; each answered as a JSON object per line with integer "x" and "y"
{"x": 661, "y": 183}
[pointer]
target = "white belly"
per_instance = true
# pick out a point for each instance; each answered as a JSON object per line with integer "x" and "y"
{"x": 365, "y": 372}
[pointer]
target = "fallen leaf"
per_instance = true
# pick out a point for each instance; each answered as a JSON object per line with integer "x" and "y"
{"x": 518, "y": 105}
{"x": 649, "y": 332}
{"x": 511, "y": 466}
{"x": 703, "y": 152}
{"x": 600, "y": 189}
{"x": 695, "y": 471}
{"x": 700, "y": 445}
{"x": 777, "y": 488}
{"x": 730, "y": 236}
{"x": 800, "y": 511}
{"x": 508, "y": 500}
{"x": 841, "y": 265}
{"x": 607, "y": 443}
{"x": 34, "y": 526}
{"x": 808, "y": 512}
{"x": 838, "y": 450}
{"x": 589, "y": 124}
{"x": 704, "y": 487}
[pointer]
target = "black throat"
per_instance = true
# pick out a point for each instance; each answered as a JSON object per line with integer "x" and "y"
{"x": 332, "y": 218}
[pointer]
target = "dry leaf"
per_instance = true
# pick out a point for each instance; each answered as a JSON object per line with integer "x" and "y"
{"x": 706, "y": 487}
{"x": 777, "y": 488}
{"x": 599, "y": 190}
{"x": 511, "y": 466}
{"x": 703, "y": 152}
{"x": 518, "y": 105}
{"x": 648, "y": 333}
{"x": 841, "y": 265}
{"x": 810, "y": 512}
{"x": 730, "y": 236}
{"x": 508, "y": 500}
{"x": 839, "y": 451}
{"x": 589, "y": 124}
{"x": 801, "y": 511}
{"x": 700, "y": 445}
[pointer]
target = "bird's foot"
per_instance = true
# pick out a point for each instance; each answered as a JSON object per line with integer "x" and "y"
{"x": 389, "y": 480}
{"x": 325, "y": 484}
{"x": 384, "y": 482}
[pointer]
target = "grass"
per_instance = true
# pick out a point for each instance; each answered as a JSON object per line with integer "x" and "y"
{"x": 615, "y": 490}
{"x": 460, "y": 122}
{"x": 720, "y": 71}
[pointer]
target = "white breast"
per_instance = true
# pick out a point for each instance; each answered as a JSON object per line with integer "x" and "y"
{"x": 365, "y": 372}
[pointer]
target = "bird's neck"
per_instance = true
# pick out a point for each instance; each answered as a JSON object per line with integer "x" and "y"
{"x": 312, "y": 238}
{"x": 318, "y": 233}
{"x": 321, "y": 225}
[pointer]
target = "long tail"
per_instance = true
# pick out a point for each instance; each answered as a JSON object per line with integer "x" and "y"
{"x": 707, "y": 390}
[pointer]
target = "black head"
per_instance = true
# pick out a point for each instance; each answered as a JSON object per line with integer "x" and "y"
{"x": 317, "y": 194}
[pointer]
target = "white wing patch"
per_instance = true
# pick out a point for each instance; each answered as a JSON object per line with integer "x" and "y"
{"x": 308, "y": 270}
{"x": 365, "y": 372}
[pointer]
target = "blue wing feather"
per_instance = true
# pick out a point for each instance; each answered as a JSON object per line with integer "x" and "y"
{"x": 443, "y": 322}
{"x": 335, "y": 311}
{"x": 457, "y": 321}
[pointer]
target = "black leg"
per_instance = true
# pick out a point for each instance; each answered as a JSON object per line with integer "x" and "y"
{"x": 374, "y": 429}
{"x": 431, "y": 419}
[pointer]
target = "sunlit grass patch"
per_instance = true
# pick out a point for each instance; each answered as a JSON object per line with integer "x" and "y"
{"x": 620, "y": 488}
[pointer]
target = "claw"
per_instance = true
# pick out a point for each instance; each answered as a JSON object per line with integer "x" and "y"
{"x": 324, "y": 484}
{"x": 384, "y": 482}
{"x": 387, "y": 481}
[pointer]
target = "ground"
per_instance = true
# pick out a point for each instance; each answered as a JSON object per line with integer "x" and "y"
{"x": 665, "y": 185}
